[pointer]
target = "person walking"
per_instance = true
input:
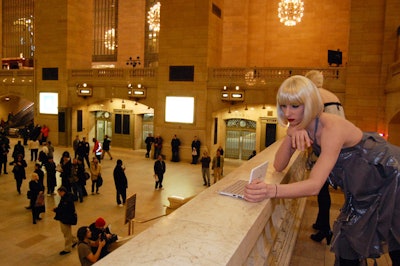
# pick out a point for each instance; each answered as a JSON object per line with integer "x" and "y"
{"x": 36, "y": 190}
{"x": 159, "y": 170}
{"x": 19, "y": 171}
{"x": 121, "y": 183}
{"x": 97, "y": 150}
{"x": 67, "y": 216}
{"x": 205, "y": 168}
{"x": 106, "y": 147}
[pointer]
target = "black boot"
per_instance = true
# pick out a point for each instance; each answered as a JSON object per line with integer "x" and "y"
{"x": 318, "y": 237}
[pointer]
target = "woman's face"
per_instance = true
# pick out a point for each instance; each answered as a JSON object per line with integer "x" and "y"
{"x": 293, "y": 113}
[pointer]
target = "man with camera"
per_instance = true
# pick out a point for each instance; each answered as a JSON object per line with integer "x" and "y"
{"x": 100, "y": 231}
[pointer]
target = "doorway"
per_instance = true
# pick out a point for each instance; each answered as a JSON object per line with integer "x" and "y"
{"x": 240, "y": 138}
{"x": 103, "y": 125}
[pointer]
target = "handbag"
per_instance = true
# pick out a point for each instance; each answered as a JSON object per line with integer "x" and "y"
{"x": 40, "y": 200}
{"x": 99, "y": 181}
{"x": 29, "y": 194}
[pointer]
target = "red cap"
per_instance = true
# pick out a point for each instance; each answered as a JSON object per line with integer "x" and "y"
{"x": 100, "y": 222}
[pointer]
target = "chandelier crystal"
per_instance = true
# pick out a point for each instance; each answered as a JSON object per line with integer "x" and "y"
{"x": 290, "y": 12}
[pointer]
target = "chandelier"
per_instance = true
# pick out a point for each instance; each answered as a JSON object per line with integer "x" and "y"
{"x": 153, "y": 17}
{"x": 109, "y": 39}
{"x": 290, "y": 12}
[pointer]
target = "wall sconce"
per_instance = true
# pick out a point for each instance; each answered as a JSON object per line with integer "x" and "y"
{"x": 138, "y": 92}
{"x": 84, "y": 90}
{"x": 133, "y": 62}
{"x": 232, "y": 95}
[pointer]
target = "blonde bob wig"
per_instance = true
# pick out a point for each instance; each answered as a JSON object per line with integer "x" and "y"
{"x": 299, "y": 90}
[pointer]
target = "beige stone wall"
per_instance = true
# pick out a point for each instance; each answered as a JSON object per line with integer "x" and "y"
{"x": 131, "y": 26}
{"x": 253, "y": 35}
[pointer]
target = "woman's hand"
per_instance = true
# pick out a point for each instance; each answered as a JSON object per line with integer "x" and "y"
{"x": 300, "y": 139}
{"x": 258, "y": 191}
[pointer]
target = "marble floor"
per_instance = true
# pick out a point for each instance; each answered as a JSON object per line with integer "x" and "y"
{"x": 40, "y": 244}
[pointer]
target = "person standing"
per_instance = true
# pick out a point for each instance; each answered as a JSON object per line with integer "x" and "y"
{"x": 217, "y": 166}
{"x": 19, "y": 171}
{"x": 66, "y": 215}
{"x": 50, "y": 147}
{"x": 18, "y": 149}
{"x": 3, "y": 157}
{"x": 149, "y": 142}
{"x": 95, "y": 172}
{"x": 331, "y": 105}
{"x": 254, "y": 153}
{"x": 121, "y": 183}
{"x": 75, "y": 145}
{"x": 45, "y": 133}
{"x": 195, "y": 150}
{"x": 84, "y": 150}
{"x": 363, "y": 164}
{"x": 175, "y": 143}
{"x": 65, "y": 170}
{"x": 38, "y": 170}
{"x": 97, "y": 150}
{"x": 159, "y": 170}
{"x": 106, "y": 147}
{"x": 75, "y": 182}
{"x": 34, "y": 147}
{"x": 158, "y": 141}
{"x": 86, "y": 256}
{"x": 50, "y": 167}
{"x": 82, "y": 177}
{"x": 205, "y": 168}
{"x": 36, "y": 190}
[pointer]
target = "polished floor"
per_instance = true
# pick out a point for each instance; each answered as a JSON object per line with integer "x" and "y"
{"x": 24, "y": 243}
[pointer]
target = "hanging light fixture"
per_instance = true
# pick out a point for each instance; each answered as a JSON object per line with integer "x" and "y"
{"x": 153, "y": 17}
{"x": 290, "y": 12}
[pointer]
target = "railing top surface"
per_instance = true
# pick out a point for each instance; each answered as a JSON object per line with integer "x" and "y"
{"x": 208, "y": 230}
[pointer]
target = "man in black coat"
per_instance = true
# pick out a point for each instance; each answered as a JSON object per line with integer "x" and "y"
{"x": 121, "y": 183}
{"x": 65, "y": 213}
{"x": 149, "y": 141}
{"x": 196, "y": 147}
{"x": 159, "y": 170}
{"x": 175, "y": 143}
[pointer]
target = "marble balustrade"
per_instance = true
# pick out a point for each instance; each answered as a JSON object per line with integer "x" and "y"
{"x": 211, "y": 229}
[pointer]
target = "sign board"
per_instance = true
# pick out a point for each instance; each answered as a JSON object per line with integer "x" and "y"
{"x": 130, "y": 208}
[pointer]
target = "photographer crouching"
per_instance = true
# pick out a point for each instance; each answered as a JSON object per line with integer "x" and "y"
{"x": 100, "y": 231}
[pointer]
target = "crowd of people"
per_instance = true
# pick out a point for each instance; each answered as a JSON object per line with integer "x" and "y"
{"x": 364, "y": 165}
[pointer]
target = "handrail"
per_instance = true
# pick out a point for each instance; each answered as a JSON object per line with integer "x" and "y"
{"x": 212, "y": 229}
